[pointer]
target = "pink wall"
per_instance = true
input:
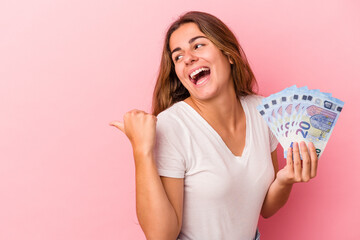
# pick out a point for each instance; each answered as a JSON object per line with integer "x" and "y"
{"x": 67, "y": 68}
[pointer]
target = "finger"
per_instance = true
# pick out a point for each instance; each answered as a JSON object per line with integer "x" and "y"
{"x": 297, "y": 162}
{"x": 118, "y": 125}
{"x": 314, "y": 159}
{"x": 289, "y": 162}
{"x": 289, "y": 159}
{"x": 305, "y": 173}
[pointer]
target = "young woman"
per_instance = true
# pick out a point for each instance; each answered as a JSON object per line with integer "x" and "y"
{"x": 205, "y": 160}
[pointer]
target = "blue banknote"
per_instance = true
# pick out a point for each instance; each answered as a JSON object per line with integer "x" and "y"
{"x": 301, "y": 114}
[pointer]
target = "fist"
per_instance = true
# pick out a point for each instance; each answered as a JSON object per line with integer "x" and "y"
{"x": 297, "y": 170}
{"x": 140, "y": 128}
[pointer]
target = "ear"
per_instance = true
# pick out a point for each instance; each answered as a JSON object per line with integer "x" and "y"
{"x": 231, "y": 61}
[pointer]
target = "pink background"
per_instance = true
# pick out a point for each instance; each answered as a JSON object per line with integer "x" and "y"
{"x": 68, "y": 68}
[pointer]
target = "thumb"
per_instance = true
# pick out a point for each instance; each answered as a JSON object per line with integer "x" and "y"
{"x": 118, "y": 125}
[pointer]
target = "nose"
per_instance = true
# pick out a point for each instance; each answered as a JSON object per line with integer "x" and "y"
{"x": 189, "y": 58}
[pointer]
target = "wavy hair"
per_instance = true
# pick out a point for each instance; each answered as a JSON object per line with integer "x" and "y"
{"x": 168, "y": 88}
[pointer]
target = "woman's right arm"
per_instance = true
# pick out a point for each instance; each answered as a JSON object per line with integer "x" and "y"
{"x": 159, "y": 200}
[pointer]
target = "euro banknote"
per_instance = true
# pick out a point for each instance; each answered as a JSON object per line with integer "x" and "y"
{"x": 301, "y": 114}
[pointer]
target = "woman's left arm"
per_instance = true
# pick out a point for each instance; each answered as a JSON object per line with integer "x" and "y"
{"x": 295, "y": 170}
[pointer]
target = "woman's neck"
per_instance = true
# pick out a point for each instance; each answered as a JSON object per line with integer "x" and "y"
{"x": 223, "y": 112}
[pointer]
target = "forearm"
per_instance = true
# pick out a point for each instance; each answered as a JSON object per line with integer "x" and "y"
{"x": 156, "y": 215}
{"x": 276, "y": 197}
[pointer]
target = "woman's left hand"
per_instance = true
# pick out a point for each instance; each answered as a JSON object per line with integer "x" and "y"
{"x": 297, "y": 170}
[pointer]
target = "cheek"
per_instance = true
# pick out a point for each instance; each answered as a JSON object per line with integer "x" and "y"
{"x": 179, "y": 73}
{"x": 217, "y": 57}
{"x": 224, "y": 67}
{"x": 179, "y": 76}
{"x": 225, "y": 62}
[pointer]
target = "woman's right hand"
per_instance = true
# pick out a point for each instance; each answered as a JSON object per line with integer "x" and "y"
{"x": 140, "y": 128}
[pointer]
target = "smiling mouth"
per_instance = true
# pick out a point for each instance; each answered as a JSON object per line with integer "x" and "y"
{"x": 199, "y": 76}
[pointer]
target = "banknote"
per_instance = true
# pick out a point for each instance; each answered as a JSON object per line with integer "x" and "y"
{"x": 301, "y": 114}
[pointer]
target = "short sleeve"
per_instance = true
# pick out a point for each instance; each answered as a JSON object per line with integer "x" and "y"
{"x": 169, "y": 160}
{"x": 273, "y": 141}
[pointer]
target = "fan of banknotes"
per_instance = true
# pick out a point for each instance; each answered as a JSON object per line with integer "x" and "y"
{"x": 300, "y": 114}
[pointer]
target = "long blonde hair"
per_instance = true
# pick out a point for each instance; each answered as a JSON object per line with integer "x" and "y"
{"x": 169, "y": 90}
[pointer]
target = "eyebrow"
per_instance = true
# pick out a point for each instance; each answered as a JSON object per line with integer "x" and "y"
{"x": 190, "y": 41}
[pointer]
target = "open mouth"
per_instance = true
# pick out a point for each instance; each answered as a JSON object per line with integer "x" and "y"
{"x": 200, "y": 75}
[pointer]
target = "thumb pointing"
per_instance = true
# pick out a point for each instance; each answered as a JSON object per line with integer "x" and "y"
{"x": 118, "y": 125}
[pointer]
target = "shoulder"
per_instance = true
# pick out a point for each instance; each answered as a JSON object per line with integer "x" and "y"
{"x": 252, "y": 101}
{"x": 171, "y": 128}
{"x": 254, "y": 98}
{"x": 171, "y": 112}
{"x": 171, "y": 119}
{"x": 171, "y": 115}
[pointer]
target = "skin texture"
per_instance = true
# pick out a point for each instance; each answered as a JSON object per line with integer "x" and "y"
{"x": 159, "y": 200}
{"x": 215, "y": 100}
{"x": 201, "y": 52}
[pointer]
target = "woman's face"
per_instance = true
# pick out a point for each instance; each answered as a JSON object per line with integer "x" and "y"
{"x": 201, "y": 67}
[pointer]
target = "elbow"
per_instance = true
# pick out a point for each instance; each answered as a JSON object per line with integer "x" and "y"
{"x": 266, "y": 213}
{"x": 266, "y": 216}
{"x": 160, "y": 235}
{"x": 158, "y": 230}
{"x": 156, "y": 237}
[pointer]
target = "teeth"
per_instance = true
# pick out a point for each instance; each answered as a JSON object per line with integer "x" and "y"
{"x": 200, "y": 82}
{"x": 197, "y": 71}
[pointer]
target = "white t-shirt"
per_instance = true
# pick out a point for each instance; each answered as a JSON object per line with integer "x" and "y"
{"x": 223, "y": 193}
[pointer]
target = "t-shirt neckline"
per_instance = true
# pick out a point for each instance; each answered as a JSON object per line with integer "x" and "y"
{"x": 217, "y": 135}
